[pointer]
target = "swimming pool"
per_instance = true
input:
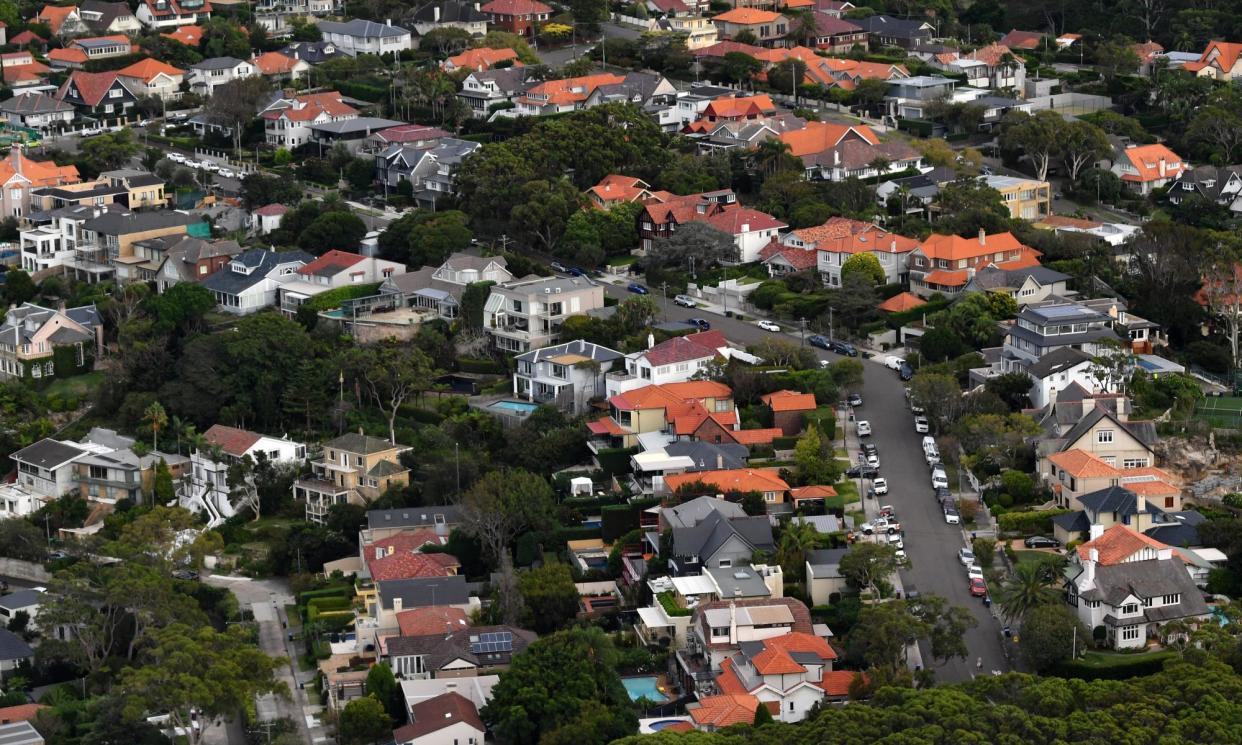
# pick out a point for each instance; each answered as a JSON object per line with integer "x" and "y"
{"x": 643, "y": 687}
{"x": 515, "y": 407}
{"x": 657, "y": 726}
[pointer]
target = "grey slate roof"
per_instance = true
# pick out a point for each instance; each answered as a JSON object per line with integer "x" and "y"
{"x": 21, "y": 599}
{"x": 386, "y": 468}
{"x": 1057, "y": 361}
{"x": 125, "y": 223}
{"x": 423, "y": 591}
{"x": 22, "y": 322}
{"x": 12, "y": 647}
{"x": 1073, "y": 522}
{"x": 360, "y": 28}
{"x": 438, "y": 650}
{"x": 366, "y": 124}
{"x": 108, "y": 12}
{"x": 412, "y": 517}
{"x": 890, "y": 26}
{"x": 263, "y": 261}
{"x": 33, "y": 103}
{"x": 450, "y": 12}
{"x": 705, "y": 538}
{"x": 1149, "y": 579}
{"x": 354, "y": 442}
{"x": 1144, "y": 432}
{"x": 991, "y": 277}
{"x": 1181, "y": 531}
{"x": 313, "y": 52}
{"x": 691, "y": 513}
{"x": 216, "y": 63}
{"x": 20, "y": 733}
{"x": 705, "y": 455}
{"x": 1115, "y": 499}
{"x": 596, "y": 352}
{"x": 826, "y": 557}
{"x": 47, "y": 453}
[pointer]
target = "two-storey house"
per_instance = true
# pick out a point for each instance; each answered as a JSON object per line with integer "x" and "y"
{"x": 790, "y": 671}
{"x": 945, "y": 263}
{"x": 439, "y": 289}
{"x": 485, "y": 91}
{"x": 1147, "y": 167}
{"x": 464, "y": 652}
{"x": 366, "y": 37}
{"x": 45, "y": 468}
{"x": 768, "y": 28}
{"x": 332, "y": 270}
{"x": 836, "y": 35}
{"x": 287, "y": 123}
{"x": 1057, "y": 323}
{"x": 912, "y": 98}
{"x": 174, "y": 259}
{"x": 660, "y": 218}
{"x": 101, "y": 95}
{"x": 566, "y": 376}
{"x": 889, "y": 31}
{"x": 38, "y": 342}
{"x": 481, "y": 59}
{"x": 467, "y": 16}
{"x": 1221, "y": 185}
{"x": 163, "y": 15}
{"x": 353, "y": 469}
{"x": 563, "y": 95}
{"x": 248, "y": 283}
{"x": 111, "y": 471}
{"x": 674, "y": 360}
{"x": 766, "y": 482}
{"x": 832, "y": 244}
{"x": 1219, "y": 61}
{"x": 1034, "y": 284}
{"x": 154, "y": 78}
{"x": 521, "y": 17}
{"x": 106, "y": 248}
{"x": 109, "y": 17}
{"x": 720, "y": 627}
{"x": 431, "y": 172}
{"x": 204, "y": 77}
{"x": 527, "y": 314}
{"x": 36, "y": 110}
{"x": 207, "y": 486}
{"x": 657, "y": 408}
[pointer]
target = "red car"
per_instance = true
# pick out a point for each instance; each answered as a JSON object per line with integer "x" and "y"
{"x": 977, "y": 588}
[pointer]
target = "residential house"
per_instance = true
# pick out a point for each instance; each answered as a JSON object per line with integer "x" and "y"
{"x": 823, "y": 575}
{"x": 488, "y": 91}
{"x": 888, "y": 31}
{"x": 98, "y": 193}
{"x": 353, "y": 469}
{"x": 1111, "y": 506}
{"x": 789, "y": 409}
{"x": 1147, "y": 53}
{"x": 781, "y": 259}
{"x": 20, "y": 177}
{"x": 18, "y": 501}
{"x": 1114, "y": 234}
{"x": 711, "y": 713}
{"x": 1147, "y": 167}
{"x": 834, "y": 242}
{"x": 36, "y": 110}
{"x": 649, "y": 91}
{"x": 288, "y": 122}
{"x": 521, "y": 17}
{"x": 21, "y": 601}
{"x": 1034, "y": 284}
{"x": 141, "y": 189}
{"x": 14, "y": 652}
{"x": 698, "y": 30}
{"x": 467, "y": 16}
{"x": 791, "y": 671}
{"x": 561, "y": 96}
{"x": 616, "y": 189}
{"x": 478, "y": 690}
{"x": 100, "y": 95}
{"x": 1219, "y": 61}
{"x": 248, "y": 283}
{"x": 768, "y": 28}
{"x": 175, "y": 259}
{"x": 447, "y": 718}
{"x": 480, "y": 59}
{"x": 1057, "y": 371}
{"x": 105, "y": 249}
{"x": 835, "y": 35}
{"x": 835, "y": 152}
{"x": 154, "y": 78}
{"x": 170, "y": 14}
{"x": 97, "y": 47}
{"x": 111, "y": 471}
{"x": 64, "y": 21}
{"x": 204, "y": 77}
{"x": 913, "y": 98}
{"x": 277, "y": 16}
{"x": 109, "y": 18}
{"x": 674, "y": 360}
{"x": 440, "y": 288}
{"x": 651, "y": 466}
{"x": 1222, "y": 185}
{"x": 328, "y": 272}
{"x": 45, "y": 468}
{"x": 419, "y": 136}
{"x": 720, "y": 627}
{"x": 21, "y": 733}
{"x": 52, "y": 237}
{"x": 1132, "y": 596}
{"x": 21, "y": 70}
{"x": 1025, "y": 40}
{"x": 994, "y": 66}
{"x": 191, "y": 36}
{"x": 657, "y": 408}
{"x": 526, "y": 314}
{"x": 38, "y": 342}
{"x": 764, "y": 481}
{"x": 279, "y": 66}
{"x": 1028, "y": 199}
{"x": 1041, "y": 328}
{"x": 381, "y": 524}
{"x": 314, "y": 52}
{"x": 267, "y": 218}
{"x": 839, "y": 73}
{"x": 431, "y": 172}
{"x": 207, "y": 487}
{"x": 459, "y": 653}
{"x": 366, "y": 37}
{"x": 945, "y": 263}
{"x": 567, "y": 375}
{"x": 394, "y": 596}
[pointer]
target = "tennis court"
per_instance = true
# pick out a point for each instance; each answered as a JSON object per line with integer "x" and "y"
{"x": 1221, "y": 411}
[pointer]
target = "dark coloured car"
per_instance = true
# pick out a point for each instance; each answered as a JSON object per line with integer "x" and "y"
{"x": 816, "y": 340}
{"x": 845, "y": 348}
{"x": 854, "y": 400}
{"x": 577, "y": 271}
{"x": 941, "y": 493}
{"x": 185, "y": 574}
{"x": 637, "y": 289}
{"x": 862, "y": 470}
{"x": 702, "y": 323}
{"x": 1042, "y": 541}
{"x": 869, "y": 448}
{"x": 905, "y": 372}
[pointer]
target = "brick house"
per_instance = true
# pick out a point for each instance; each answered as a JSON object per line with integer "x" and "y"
{"x": 789, "y": 410}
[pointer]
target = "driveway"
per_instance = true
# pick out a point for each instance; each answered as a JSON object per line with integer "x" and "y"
{"x": 931, "y": 544}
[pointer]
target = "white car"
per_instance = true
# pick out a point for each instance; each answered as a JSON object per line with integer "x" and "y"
{"x": 225, "y": 173}
{"x": 974, "y": 572}
{"x": 767, "y": 325}
{"x": 896, "y": 542}
{"x": 901, "y": 557}
{"x": 920, "y": 425}
{"x": 893, "y": 362}
{"x": 952, "y": 518}
{"x": 939, "y": 480}
{"x": 880, "y": 485}
{"x": 864, "y": 428}
{"x": 193, "y": 164}
{"x": 176, "y": 157}
{"x": 208, "y": 165}
{"x": 873, "y": 460}
{"x": 966, "y": 556}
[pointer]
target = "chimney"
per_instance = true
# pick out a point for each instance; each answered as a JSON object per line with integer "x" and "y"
{"x": 650, "y": 341}
{"x": 388, "y": 21}
{"x": 476, "y": 7}
{"x": 719, "y": 461}
{"x": 1140, "y": 503}
{"x": 1095, "y": 531}
{"x": 396, "y": 605}
{"x": 732, "y": 621}
{"x": 17, "y": 157}
{"x": 836, "y": 157}
{"x": 983, "y": 237}
{"x": 1162, "y": 166}
{"x": 1088, "y": 566}
{"x": 435, "y": 11}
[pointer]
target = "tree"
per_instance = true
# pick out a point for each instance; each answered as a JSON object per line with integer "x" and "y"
{"x": 392, "y": 373}
{"x": 1050, "y": 634}
{"x": 445, "y": 42}
{"x": 940, "y": 397}
{"x": 869, "y": 92}
{"x": 364, "y": 721}
{"x": 338, "y": 230}
{"x": 762, "y": 716}
{"x": 867, "y": 564}
{"x": 20, "y": 539}
{"x": 107, "y": 151}
{"x": 697, "y": 241}
{"x": 546, "y": 207}
{"x": 969, "y": 205}
{"x": 1012, "y": 387}
{"x": 550, "y": 597}
{"x": 18, "y": 287}
{"x": 560, "y": 683}
{"x": 156, "y": 418}
{"x": 739, "y": 67}
{"x": 889, "y": 628}
{"x": 1038, "y": 136}
{"x": 1222, "y": 294}
{"x": 796, "y": 539}
{"x": 814, "y": 459}
{"x": 233, "y": 104}
{"x": 503, "y": 504}
{"x": 1083, "y": 143}
{"x": 1031, "y": 585}
{"x": 1116, "y": 56}
{"x": 865, "y": 265}
{"x": 435, "y": 236}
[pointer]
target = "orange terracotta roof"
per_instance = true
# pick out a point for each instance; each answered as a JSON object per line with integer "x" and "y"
{"x": 1083, "y": 465}
{"x": 656, "y": 396}
{"x": 31, "y": 73}
{"x": 800, "y": 259}
{"x": 1022, "y": 39}
{"x": 516, "y": 8}
{"x": 836, "y": 227}
{"x": 617, "y": 188}
{"x": 39, "y": 172}
{"x": 756, "y": 436}
{"x": 54, "y": 16}
{"x": 732, "y": 480}
{"x": 1146, "y": 159}
{"x": 946, "y": 278}
{"x": 148, "y": 69}
{"x": 607, "y": 426}
{"x": 777, "y": 655}
{"x": 1226, "y": 55}
{"x": 1147, "y": 50}
{"x": 856, "y": 70}
{"x": 409, "y": 540}
{"x": 689, "y": 422}
{"x": 992, "y": 55}
{"x": 870, "y": 240}
{"x": 20, "y": 713}
{"x": 1150, "y": 488}
{"x": 817, "y": 137}
{"x": 901, "y": 302}
{"x": 72, "y": 55}
{"x": 1065, "y": 221}
{"x": 409, "y": 565}
{"x": 728, "y": 682}
{"x": 275, "y": 63}
{"x": 836, "y": 683}
{"x": 312, "y": 106}
{"x": 747, "y": 16}
{"x": 727, "y": 107}
{"x": 191, "y": 36}
{"x": 483, "y": 58}
{"x": 433, "y": 619}
{"x": 725, "y": 710}
{"x": 955, "y": 247}
{"x": 568, "y": 90}
{"x": 790, "y": 401}
{"x": 812, "y": 492}
{"x": 1119, "y": 543}
{"x": 743, "y": 220}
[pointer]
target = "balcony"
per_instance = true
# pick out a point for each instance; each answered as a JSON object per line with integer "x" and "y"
{"x": 620, "y": 376}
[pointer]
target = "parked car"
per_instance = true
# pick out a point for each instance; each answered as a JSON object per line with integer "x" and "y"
{"x": 175, "y": 157}
{"x": 186, "y": 574}
{"x": 881, "y": 525}
{"x": 701, "y": 323}
{"x": 940, "y": 492}
{"x": 974, "y": 572}
{"x": 966, "y": 556}
{"x": 952, "y": 518}
{"x": 862, "y": 471}
{"x": 854, "y": 400}
{"x": 921, "y": 426}
{"x": 893, "y": 362}
{"x": 842, "y": 347}
{"x": 1041, "y": 541}
{"x": 767, "y": 325}
{"x": 559, "y": 267}
{"x": 939, "y": 480}
{"x": 864, "y": 428}
{"x": 869, "y": 448}
{"x": 684, "y": 301}
{"x": 816, "y": 340}
{"x": 896, "y": 542}
{"x": 226, "y": 173}
{"x": 906, "y": 372}
{"x": 637, "y": 289}
{"x": 978, "y": 588}
{"x": 873, "y": 460}
{"x": 575, "y": 271}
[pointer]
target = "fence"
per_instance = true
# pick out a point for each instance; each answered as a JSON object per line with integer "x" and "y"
{"x": 1071, "y": 103}
{"x": 647, "y": 24}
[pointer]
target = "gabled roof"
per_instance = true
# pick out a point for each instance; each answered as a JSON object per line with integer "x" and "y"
{"x": 1058, "y": 360}
{"x": 361, "y": 29}
{"x": 516, "y": 8}
{"x": 1115, "y": 499}
{"x": 72, "y": 55}
{"x": 788, "y": 654}
{"x": 697, "y": 346}
{"x": 1119, "y": 543}
{"x": 732, "y": 481}
{"x": 1083, "y": 465}
{"x": 800, "y": 259}
{"x": 409, "y": 564}
{"x": 332, "y": 262}
{"x": 275, "y": 63}
{"x": 91, "y": 86}
{"x": 747, "y": 16}
{"x": 450, "y": 11}
{"x": 1144, "y": 432}
{"x": 955, "y": 247}
{"x": 819, "y": 136}
{"x": 191, "y": 36}
{"x": 1147, "y": 160}
{"x": 33, "y": 103}
{"x": 434, "y": 714}
{"x": 616, "y": 187}
{"x": 231, "y": 440}
{"x": 707, "y": 536}
{"x": 724, "y": 710}
{"x": 1226, "y": 56}
{"x": 1022, "y": 39}
{"x": 1146, "y": 50}
{"x": 271, "y": 210}
{"x": 743, "y": 220}
{"x": 482, "y": 58}
{"x": 147, "y": 69}
{"x": 12, "y": 647}
{"x": 56, "y": 15}
{"x": 901, "y": 302}
{"x": 786, "y": 400}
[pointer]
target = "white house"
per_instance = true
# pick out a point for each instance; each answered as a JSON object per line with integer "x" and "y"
{"x": 332, "y": 270}
{"x": 789, "y": 670}
{"x": 18, "y": 501}
{"x": 366, "y": 37}
{"x": 840, "y": 238}
{"x": 567, "y": 375}
{"x": 36, "y": 111}
{"x": 170, "y": 14}
{"x": 1057, "y": 371}
{"x": 823, "y": 574}
{"x": 204, "y": 77}
{"x": 267, "y": 218}
{"x": 287, "y": 122}
{"x": 673, "y": 361}
{"x": 207, "y": 486}
{"x": 46, "y": 467}
{"x": 248, "y": 283}
{"x": 447, "y": 718}
{"x": 22, "y": 601}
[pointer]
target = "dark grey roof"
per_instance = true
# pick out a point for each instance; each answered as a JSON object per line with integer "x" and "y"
{"x": 20, "y": 733}
{"x": 33, "y": 103}
{"x": 438, "y": 650}
{"x": 424, "y": 591}
{"x": 991, "y": 277}
{"x": 47, "y": 453}
{"x": 354, "y": 442}
{"x": 1206, "y": 181}
{"x": 262, "y": 262}
{"x": 1151, "y": 579}
{"x": 507, "y": 79}
{"x": 890, "y": 26}
{"x": 450, "y": 12}
{"x": 21, "y": 599}
{"x": 12, "y": 647}
{"x": 596, "y": 352}
{"x": 1073, "y": 522}
{"x": 108, "y": 12}
{"x": 366, "y": 124}
{"x": 125, "y": 223}
{"x": 1144, "y": 432}
{"x": 1056, "y": 361}
{"x": 412, "y": 517}
{"x": 691, "y": 513}
{"x": 386, "y": 468}
{"x": 1116, "y": 499}
{"x": 705, "y": 455}
{"x": 826, "y": 557}
{"x": 705, "y": 538}
{"x": 1179, "y": 535}
{"x": 360, "y": 28}
{"x": 313, "y": 52}
{"x": 216, "y": 63}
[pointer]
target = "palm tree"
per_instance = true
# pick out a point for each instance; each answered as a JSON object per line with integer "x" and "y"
{"x": 1031, "y": 586}
{"x": 157, "y": 418}
{"x": 772, "y": 155}
{"x": 796, "y": 539}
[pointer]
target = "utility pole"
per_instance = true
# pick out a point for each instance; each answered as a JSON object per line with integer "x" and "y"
{"x": 831, "y": 335}
{"x": 664, "y": 294}
{"x": 457, "y": 458}
{"x": 802, "y": 325}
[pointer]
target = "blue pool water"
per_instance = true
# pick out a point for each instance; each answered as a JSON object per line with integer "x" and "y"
{"x": 517, "y": 407}
{"x": 1220, "y": 617}
{"x": 643, "y": 687}
{"x": 657, "y": 726}
{"x": 593, "y": 523}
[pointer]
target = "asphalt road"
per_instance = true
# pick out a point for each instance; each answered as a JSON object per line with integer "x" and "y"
{"x": 930, "y": 543}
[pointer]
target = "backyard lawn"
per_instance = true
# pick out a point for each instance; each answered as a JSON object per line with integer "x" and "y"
{"x": 79, "y": 386}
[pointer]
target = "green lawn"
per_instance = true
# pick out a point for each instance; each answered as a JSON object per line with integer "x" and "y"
{"x": 1103, "y": 660}
{"x": 1030, "y": 557}
{"x": 78, "y": 386}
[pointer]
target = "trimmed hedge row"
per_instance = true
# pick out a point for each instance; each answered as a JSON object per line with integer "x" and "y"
{"x": 1028, "y": 523}
{"x": 615, "y": 461}
{"x": 480, "y": 367}
{"x": 1149, "y": 664}
{"x": 334, "y": 298}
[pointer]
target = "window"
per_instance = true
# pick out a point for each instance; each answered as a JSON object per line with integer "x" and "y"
{"x": 114, "y": 93}
{"x": 98, "y": 472}
{"x": 1170, "y": 599}
{"x": 1129, "y": 609}
{"x": 1104, "y": 436}
{"x": 720, "y": 631}
{"x": 1147, "y": 602}
{"x": 1134, "y": 463}
{"x": 1130, "y": 633}
{"x": 726, "y": 563}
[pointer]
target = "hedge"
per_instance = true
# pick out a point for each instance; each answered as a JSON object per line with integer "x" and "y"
{"x": 920, "y": 127}
{"x": 825, "y": 419}
{"x": 1145, "y": 664}
{"x": 670, "y": 605}
{"x": 784, "y": 443}
{"x": 334, "y": 298}
{"x": 897, "y": 320}
{"x": 1028, "y": 523}
{"x": 595, "y": 503}
{"x": 576, "y": 533}
{"x": 617, "y": 520}
{"x": 615, "y": 461}
{"x": 342, "y": 591}
{"x": 480, "y": 367}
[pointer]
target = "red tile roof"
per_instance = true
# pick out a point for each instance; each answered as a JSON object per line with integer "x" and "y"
{"x": 411, "y": 133}
{"x": 231, "y": 440}
{"x": 800, "y": 259}
{"x": 946, "y": 278}
{"x": 607, "y": 426}
{"x": 1022, "y": 39}
{"x": 812, "y": 492}
{"x": 744, "y": 220}
{"x": 72, "y": 55}
{"x": 332, "y": 262}
{"x": 275, "y": 63}
{"x": 756, "y": 436}
{"x": 20, "y": 713}
{"x": 817, "y": 137}
{"x": 747, "y": 16}
{"x": 732, "y": 480}
{"x": 407, "y": 540}
{"x": 483, "y": 58}
{"x": 777, "y": 655}
{"x": 734, "y": 107}
{"x": 703, "y": 344}
{"x": 721, "y": 48}
{"x": 516, "y": 7}
{"x": 790, "y": 401}
{"x": 271, "y": 210}
{"x": 434, "y": 714}
{"x": 1147, "y": 160}
{"x": 568, "y": 90}
{"x": 408, "y": 565}
{"x": 92, "y": 86}
{"x": 311, "y": 106}
{"x": 27, "y": 37}
{"x": 901, "y": 302}
{"x": 728, "y": 682}
{"x": 148, "y": 68}
{"x": 836, "y": 683}
{"x": 54, "y": 16}
{"x": 992, "y": 55}
{"x": 725, "y": 710}
{"x": 432, "y": 620}
{"x": 1119, "y": 543}
{"x": 617, "y": 188}
{"x": 191, "y": 36}
{"x": 1147, "y": 50}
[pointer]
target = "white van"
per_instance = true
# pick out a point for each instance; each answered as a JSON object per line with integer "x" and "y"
{"x": 893, "y": 362}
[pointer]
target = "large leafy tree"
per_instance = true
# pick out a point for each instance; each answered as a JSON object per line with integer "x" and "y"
{"x": 502, "y": 505}
{"x": 550, "y": 596}
{"x": 364, "y": 721}
{"x": 545, "y": 209}
{"x": 1037, "y": 136}
{"x": 866, "y": 565}
{"x": 865, "y": 265}
{"x": 392, "y": 374}
{"x": 1050, "y": 634}
{"x": 706, "y": 245}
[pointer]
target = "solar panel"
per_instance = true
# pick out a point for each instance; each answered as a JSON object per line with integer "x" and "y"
{"x": 492, "y": 641}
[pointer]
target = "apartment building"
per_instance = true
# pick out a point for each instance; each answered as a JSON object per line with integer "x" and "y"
{"x": 527, "y": 314}
{"x": 1027, "y": 199}
{"x": 566, "y": 375}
